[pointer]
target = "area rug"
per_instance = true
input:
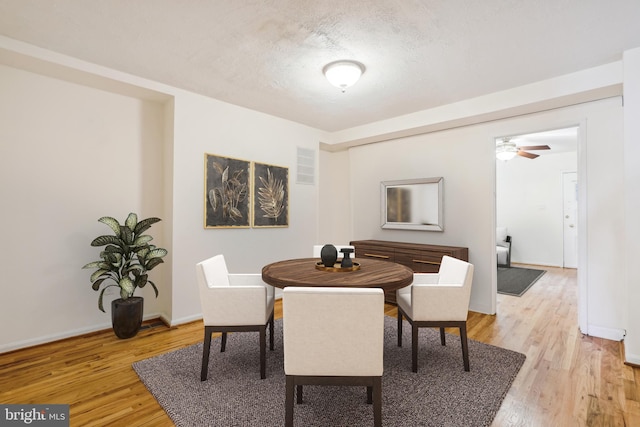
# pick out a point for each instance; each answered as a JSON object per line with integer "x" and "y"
{"x": 516, "y": 280}
{"x": 440, "y": 394}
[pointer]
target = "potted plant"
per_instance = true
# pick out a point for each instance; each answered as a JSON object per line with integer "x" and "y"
{"x": 125, "y": 261}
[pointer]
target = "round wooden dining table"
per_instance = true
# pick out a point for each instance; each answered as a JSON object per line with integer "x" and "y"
{"x": 385, "y": 275}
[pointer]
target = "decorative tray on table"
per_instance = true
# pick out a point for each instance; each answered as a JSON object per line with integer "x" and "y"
{"x": 337, "y": 267}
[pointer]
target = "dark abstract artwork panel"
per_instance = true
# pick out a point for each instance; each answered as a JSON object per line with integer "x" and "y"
{"x": 227, "y": 198}
{"x": 270, "y": 195}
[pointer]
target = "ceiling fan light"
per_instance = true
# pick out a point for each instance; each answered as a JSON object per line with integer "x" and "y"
{"x": 343, "y": 74}
{"x": 506, "y": 150}
{"x": 505, "y": 155}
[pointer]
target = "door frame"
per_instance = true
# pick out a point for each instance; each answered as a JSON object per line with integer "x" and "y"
{"x": 582, "y": 272}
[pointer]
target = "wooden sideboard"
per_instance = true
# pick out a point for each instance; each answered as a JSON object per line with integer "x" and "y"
{"x": 419, "y": 257}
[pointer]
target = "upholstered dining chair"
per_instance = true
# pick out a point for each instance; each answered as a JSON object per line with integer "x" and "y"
{"x": 437, "y": 300}
{"x": 233, "y": 303}
{"x": 333, "y": 336}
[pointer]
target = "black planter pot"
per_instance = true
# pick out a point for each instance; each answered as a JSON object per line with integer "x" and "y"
{"x": 126, "y": 316}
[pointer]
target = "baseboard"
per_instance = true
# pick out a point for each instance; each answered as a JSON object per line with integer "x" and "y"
{"x": 481, "y": 308}
{"x": 46, "y": 339}
{"x": 181, "y": 321}
{"x": 19, "y": 345}
{"x": 606, "y": 333}
{"x": 533, "y": 265}
{"x": 634, "y": 363}
{"x": 632, "y": 360}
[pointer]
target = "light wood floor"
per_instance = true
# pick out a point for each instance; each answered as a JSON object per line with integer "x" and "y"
{"x": 567, "y": 380}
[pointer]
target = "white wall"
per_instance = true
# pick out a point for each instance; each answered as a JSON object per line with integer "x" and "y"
{"x": 606, "y": 313}
{"x": 632, "y": 202}
{"x": 203, "y": 125}
{"x": 529, "y": 202}
{"x": 465, "y": 158}
{"x": 69, "y": 154}
{"x": 335, "y": 224}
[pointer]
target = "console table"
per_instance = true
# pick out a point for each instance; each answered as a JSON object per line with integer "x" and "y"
{"x": 421, "y": 258}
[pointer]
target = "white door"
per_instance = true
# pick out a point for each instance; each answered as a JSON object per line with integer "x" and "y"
{"x": 570, "y": 219}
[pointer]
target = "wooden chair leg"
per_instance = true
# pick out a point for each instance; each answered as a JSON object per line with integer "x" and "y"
{"x": 442, "y": 339}
{"x": 414, "y": 347}
{"x": 205, "y": 354}
{"x": 288, "y": 417}
{"x": 465, "y": 346}
{"x": 263, "y": 352}
{"x": 399, "y": 328}
{"x": 377, "y": 401}
{"x": 271, "y": 332}
{"x": 369, "y": 395}
{"x": 223, "y": 345}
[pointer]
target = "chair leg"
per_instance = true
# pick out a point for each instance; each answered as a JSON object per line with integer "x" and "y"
{"x": 205, "y": 354}
{"x": 299, "y": 394}
{"x": 288, "y": 417}
{"x": 271, "y": 332}
{"x": 442, "y": 339}
{"x": 223, "y": 345}
{"x": 465, "y": 346}
{"x": 399, "y": 328}
{"x": 263, "y": 352}
{"x": 369, "y": 395}
{"x": 377, "y": 401}
{"x": 414, "y": 347}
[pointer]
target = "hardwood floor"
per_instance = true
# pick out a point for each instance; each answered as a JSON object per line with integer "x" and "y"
{"x": 567, "y": 379}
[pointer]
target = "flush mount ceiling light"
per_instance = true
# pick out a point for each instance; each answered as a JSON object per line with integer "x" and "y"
{"x": 506, "y": 150}
{"x": 343, "y": 74}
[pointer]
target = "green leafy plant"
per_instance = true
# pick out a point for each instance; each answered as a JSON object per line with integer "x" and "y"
{"x": 127, "y": 257}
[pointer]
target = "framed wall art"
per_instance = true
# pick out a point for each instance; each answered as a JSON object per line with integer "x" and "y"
{"x": 270, "y": 195}
{"x": 227, "y": 199}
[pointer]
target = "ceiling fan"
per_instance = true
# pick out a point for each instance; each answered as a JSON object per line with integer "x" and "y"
{"x": 507, "y": 150}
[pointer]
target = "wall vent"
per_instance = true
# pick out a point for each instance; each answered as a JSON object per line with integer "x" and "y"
{"x": 306, "y": 173}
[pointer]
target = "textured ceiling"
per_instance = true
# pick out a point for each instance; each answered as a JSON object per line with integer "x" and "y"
{"x": 268, "y": 55}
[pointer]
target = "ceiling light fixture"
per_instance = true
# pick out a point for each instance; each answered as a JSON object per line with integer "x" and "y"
{"x": 343, "y": 74}
{"x": 506, "y": 150}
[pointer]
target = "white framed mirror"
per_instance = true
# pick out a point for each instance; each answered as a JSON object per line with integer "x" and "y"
{"x": 412, "y": 204}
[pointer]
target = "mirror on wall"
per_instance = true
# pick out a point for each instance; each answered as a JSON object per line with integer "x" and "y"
{"x": 412, "y": 204}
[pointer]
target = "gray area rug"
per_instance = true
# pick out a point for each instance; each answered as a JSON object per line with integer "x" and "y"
{"x": 440, "y": 394}
{"x": 516, "y": 281}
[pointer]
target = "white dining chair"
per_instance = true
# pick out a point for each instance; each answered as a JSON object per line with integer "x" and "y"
{"x": 333, "y": 336}
{"x": 233, "y": 303}
{"x": 437, "y": 300}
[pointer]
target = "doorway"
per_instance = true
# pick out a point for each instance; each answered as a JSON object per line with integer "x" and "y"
{"x": 531, "y": 188}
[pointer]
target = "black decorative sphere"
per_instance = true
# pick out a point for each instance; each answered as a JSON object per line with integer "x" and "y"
{"x": 329, "y": 255}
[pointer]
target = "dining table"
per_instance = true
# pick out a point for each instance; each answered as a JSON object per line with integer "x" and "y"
{"x": 365, "y": 273}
